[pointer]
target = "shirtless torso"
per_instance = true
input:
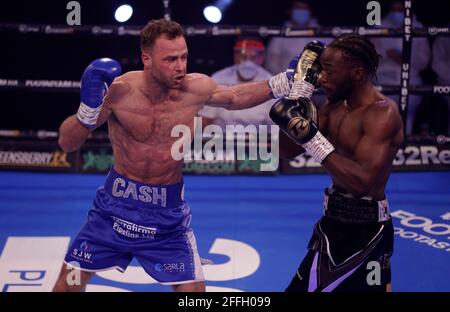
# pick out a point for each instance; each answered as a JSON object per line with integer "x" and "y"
{"x": 140, "y": 127}
{"x": 142, "y": 108}
{"x": 358, "y": 135}
{"x": 365, "y": 130}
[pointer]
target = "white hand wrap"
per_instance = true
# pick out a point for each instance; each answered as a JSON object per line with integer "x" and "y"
{"x": 280, "y": 85}
{"x": 301, "y": 88}
{"x": 318, "y": 147}
{"x": 88, "y": 116}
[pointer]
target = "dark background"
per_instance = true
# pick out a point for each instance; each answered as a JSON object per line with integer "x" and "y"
{"x": 40, "y": 56}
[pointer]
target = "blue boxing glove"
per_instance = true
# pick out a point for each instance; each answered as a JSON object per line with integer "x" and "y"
{"x": 292, "y": 66}
{"x": 96, "y": 79}
{"x": 301, "y": 75}
{"x": 296, "y": 114}
{"x": 280, "y": 84}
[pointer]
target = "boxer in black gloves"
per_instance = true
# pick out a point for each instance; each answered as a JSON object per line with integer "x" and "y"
{"x": 355, "y": 136}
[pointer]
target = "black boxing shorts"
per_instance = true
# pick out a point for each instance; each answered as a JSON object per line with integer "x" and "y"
{"x": 350, "y": 247}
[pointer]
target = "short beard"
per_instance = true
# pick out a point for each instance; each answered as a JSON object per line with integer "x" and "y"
{"x": 162, "y": 81}
{"x": 344, "y": 94}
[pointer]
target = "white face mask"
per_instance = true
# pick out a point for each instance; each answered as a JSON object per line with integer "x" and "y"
{"x": 247, "y": 70}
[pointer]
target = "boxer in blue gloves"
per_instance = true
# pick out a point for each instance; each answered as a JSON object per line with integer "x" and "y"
{"x": 140, "y": 211}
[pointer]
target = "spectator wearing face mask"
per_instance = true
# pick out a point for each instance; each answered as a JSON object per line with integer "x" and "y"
{"x": 281, "y": 49}
{"x": 441, "y": 66}
{"x": 390, "y": 49}
{"x": 248, "y": 55}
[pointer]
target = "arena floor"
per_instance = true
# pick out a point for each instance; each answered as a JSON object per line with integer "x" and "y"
{"x": 255, "y": 229}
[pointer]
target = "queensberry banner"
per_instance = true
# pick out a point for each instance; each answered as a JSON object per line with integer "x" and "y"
{"x": 97, "y": 157}
{"x": 37, "y": 156}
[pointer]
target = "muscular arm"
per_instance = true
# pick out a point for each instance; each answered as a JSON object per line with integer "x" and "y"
{"x": 240, "y": 96}
{"x": 72, "y": 134}
{"x": 289, "y": 149}
{"x": 372, "y": 155}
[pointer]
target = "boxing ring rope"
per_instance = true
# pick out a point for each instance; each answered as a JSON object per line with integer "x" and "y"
{"x": 406, "y": 33}
{"x": 225, "y": 30}
{"x": 431, "y": 153}
{"x": 74, "y": 86}
{"x": 220, "y": 30}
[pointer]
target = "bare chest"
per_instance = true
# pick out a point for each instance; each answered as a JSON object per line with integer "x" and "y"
{"x": 345, "y": 129}
{"x": 145, "y": 122}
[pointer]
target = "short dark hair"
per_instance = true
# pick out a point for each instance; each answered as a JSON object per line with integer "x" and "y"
{"x": 157, "y": 28}
{"x": 355, "y": 47}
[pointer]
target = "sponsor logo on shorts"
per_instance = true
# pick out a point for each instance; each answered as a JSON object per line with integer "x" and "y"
{"x": 82, "y": 253}
{"x": 170, "y": 267}
{"x": 84, "y": 246}
{"x": 132, "y": 230}
{"x": 144, "y": 193}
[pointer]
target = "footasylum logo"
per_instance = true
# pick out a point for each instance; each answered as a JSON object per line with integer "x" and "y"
{"x": 422, "y": 230}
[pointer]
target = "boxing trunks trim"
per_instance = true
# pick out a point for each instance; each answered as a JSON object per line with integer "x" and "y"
{"x": 150, "y": 223}
{"x": 366, "y": 249}
{"x": 325, "y": 274}
{"x": 352, "y": 233}
{"x": 325, "y": 270}
{"x": 344, "y": 207}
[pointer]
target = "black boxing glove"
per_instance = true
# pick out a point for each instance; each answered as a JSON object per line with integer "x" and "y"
{"x": 307, "y": 72}
{"x": 298, "y": 119}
